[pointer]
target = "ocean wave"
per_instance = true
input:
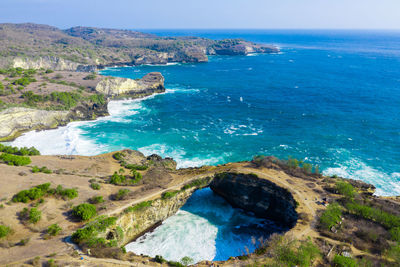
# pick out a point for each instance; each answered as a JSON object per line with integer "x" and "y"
{"x": 180, "y": 156}
{"x": 352, "y": 167}
{"x": 243, "y": 130}
{"x": 66, "y": 140}
{"x": 179, "y": 231}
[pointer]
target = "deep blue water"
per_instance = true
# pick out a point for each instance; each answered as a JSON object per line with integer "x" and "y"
{"x": 331, "y": 98}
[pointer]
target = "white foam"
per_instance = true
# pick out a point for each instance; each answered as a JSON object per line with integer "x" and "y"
{"x": 65, "y": 140}
{"x": 192, "y": 234}
{"x": 179, "y": 155}
{"x": 70, "y": 140}
{"x": 355, "y": 168}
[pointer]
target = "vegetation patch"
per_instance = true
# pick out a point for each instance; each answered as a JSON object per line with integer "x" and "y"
{"x": 4, "y": 231}
{"x": 331, "y": 216}
{"x": 89, "y": 234}
{"x": 54, "y": 229}
{"x": 41, "y": 190}
{"x": 169, "y": 194}
{"x": 84, "y": 211}
{"x": 199, "y": 183}
{"x": 342, "y": 261}
{"x": 15, "y": 160}
{"x": 32, "y": 215}
{"x": 24, "y": 151}
{"x": 96, "y": 200}
{"x": 139, "y": 206}
{"x": 95, "y": 186}
{"x": 44, "y": 169}
{"x": 122, "y": 194}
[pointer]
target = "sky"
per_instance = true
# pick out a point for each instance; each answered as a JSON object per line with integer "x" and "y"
{"x": 206, "y": 14}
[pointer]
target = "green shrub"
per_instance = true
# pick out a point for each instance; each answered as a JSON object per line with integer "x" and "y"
{"x": 384, "y": 218}
{"x": 118, "y": 156}
{"x": 69, "y": 193}
{"x": 95, "y": 186}
{"x": 395, "y": 234}
{"x": 15, "y": 160}
{"x": 169, "y": 194}
{"x": 342, "y": 261}
{"x": 4, "y": 231}
{"x": 187, "y": 261}
{"x": 96, "y": 200}
{"x": 394, "y": 252}
{"x": 136, "y": 167}
{"x": 24, "y": 81}
{"x": 293, "y": 163}
{"x": 286, "y": 252}
{"x": 31, "y": 194}
{"x": 34, "y": 215}
{"x": 122, "y": 194}
{"x": 139, "y": 206}
{"x": 97, "y": 99}
{"x": 89, "y": 233}
{"x": 345, "y": 189}
{"x": 137, "y": 176}
{"x": 175, "y": 263}
{"x": 67, "y": 99}
{"x": 54, "y": 229}
{"x": 49, "y": 71}
{"x": 44, "y": 169}
{"x": 331, "y": 216}
{"x": 196, "y": 183}
{"x": 84, "y": 211}
{"x": 159, "y": 259}
{"x": 35, "y": 169}
{"x": 307, "y": 168}
{"x": 117, "y": 179}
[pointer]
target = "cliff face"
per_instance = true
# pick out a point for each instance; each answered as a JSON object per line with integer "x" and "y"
{"x": 53, "y": 63}
{"x": 149, "y": 84}
{"x": 135, "y": 223}
{"x": 239, "y": 47}
{"x": 86, "y": 47}
{"x": 14, "y": 121}
{"x": 264, "y": 198}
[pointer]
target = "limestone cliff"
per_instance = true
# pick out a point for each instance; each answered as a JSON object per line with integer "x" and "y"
{"x": 235, "y": 47}
{"x": 264, "y": 198}
{"x": 18, "y": 119}
{"x": 14, "y": 121}
{"x": 50, "y": 62}
{"x": 149, "y": 84}
{"x": 137, "y": 221}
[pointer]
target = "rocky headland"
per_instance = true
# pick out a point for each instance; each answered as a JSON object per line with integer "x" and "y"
{"x": 124, "y": 194}
{"x": 43, "y": 99}
{"x": 89, "y": 49}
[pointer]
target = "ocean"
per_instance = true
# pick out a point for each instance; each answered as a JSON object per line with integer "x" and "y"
{"x": 330, "y": 98}
{"x": 205, "y": 228}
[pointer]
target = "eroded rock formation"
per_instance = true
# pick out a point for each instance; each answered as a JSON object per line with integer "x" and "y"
{"x": 262, "y": 197}
{"x": 149, "y": 84}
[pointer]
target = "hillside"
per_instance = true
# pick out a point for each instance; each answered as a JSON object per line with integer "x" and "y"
{"x": 86, "y": 48}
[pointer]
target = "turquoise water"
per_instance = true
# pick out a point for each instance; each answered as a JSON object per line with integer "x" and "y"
{"x": 330, "y": 98}
{"x": 205, "y": 228}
